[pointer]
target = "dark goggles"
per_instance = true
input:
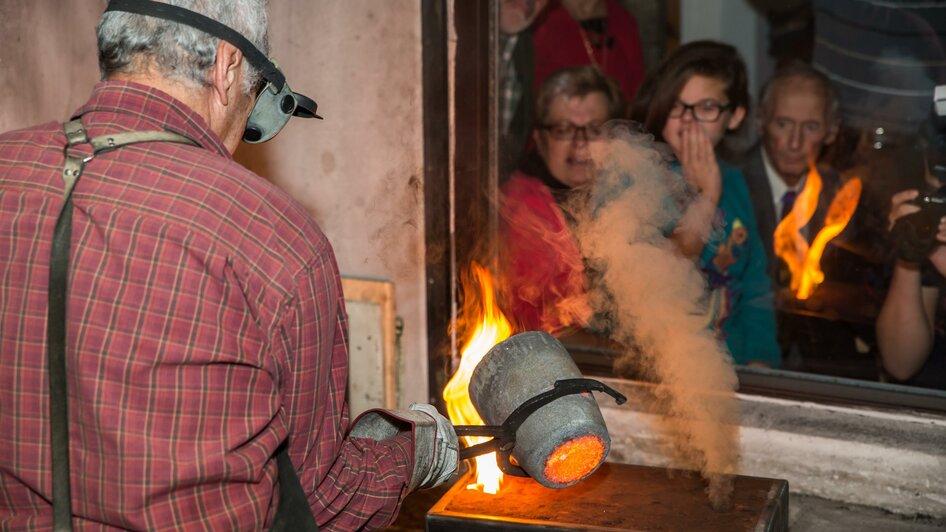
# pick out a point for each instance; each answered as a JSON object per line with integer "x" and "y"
{"x": 275, "y": 102}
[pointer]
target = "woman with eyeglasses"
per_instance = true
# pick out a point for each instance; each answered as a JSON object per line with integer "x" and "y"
{"x": 542, "y": 275}
{"x": 691, "y": 101}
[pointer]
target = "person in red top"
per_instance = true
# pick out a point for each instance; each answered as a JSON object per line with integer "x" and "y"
{"x": 589, "y": 32}
{"x": 543, "y": 278}
{"x": 205, "y": 321}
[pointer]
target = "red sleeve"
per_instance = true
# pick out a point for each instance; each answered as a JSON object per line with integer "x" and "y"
{"x": 350, "y": 483}
{"x": 543, "y": 276}
{"x": 366, "y": 485}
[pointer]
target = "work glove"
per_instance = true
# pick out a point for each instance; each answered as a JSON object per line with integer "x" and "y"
{"x": 914, "y": 236}
{"x": 445, "y": 449}
{"x": 436, "y": 450}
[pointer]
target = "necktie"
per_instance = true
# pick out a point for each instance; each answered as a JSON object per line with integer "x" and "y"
{"x": 788, "y": 201}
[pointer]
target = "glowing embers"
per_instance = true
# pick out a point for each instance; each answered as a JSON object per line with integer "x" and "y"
{"x": 574, "y": 459}
{"x": 488, "y": 327}
{"x": 804, "y": 261}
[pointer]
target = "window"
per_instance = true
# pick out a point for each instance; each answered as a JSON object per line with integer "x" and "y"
{"x": 828, "y": 340}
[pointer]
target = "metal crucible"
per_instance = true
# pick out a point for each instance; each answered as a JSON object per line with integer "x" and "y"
{"x": 562, "y": 442}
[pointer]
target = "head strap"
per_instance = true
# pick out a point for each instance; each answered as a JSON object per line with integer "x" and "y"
{"x": 206, "y": 24}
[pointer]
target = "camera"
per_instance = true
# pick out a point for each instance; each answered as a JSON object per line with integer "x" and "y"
{"x": 914, "y": 235}
{"x": 932, "y": 210}
{"x": 935, "y": 201}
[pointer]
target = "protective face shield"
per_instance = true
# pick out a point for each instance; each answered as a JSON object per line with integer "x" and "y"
{"x": 274, "y": 106}
{"x": 275, "y": 103}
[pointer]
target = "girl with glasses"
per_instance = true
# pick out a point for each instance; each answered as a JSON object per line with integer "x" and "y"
{"x": 691, "y": 101}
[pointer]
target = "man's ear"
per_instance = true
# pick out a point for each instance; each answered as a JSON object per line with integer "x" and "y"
{"x": 737, "y": 115}
{"x": 225, "y": 70}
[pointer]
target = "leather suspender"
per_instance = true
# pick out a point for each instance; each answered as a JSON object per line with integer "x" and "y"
{"x": 292, "y": 513}
{"x": 58, "y": 288}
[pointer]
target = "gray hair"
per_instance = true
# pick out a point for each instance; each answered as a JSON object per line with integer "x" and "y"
{"x": 181, "y": 53}
{"x": 579, "y": 81}
{"x": 801, "y": 71}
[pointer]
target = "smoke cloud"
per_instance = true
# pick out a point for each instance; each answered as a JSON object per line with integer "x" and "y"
{"x": 653, "y": 298}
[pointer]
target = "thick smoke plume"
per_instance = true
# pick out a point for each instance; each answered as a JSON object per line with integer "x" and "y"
{"x": 653, "y": 298}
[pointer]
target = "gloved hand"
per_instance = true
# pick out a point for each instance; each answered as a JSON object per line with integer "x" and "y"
{"x": 914, "y": 236}
{"x": 444, "y": 450}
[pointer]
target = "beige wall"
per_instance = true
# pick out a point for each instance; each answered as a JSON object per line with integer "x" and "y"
{"x": 48, "y": 60}
{"x": 359, "y": 172}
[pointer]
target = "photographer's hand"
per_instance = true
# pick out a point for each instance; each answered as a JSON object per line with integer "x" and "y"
{"x": 913, "y": 231}
{"x": 899, "y": 206}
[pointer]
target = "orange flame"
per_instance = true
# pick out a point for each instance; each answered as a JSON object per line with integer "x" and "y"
{"x": 491, "y": 327}
{"x": 804, "y": 261}
{"x": 839, "y": 214}
{"x": 790, "y": 245}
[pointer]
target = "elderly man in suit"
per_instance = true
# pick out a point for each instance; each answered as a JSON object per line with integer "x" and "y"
{"x": 798, "y": 116}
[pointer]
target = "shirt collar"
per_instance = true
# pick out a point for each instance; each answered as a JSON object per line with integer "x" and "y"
{"x": 155, "y": 106}
{"x": 778, "y": 186}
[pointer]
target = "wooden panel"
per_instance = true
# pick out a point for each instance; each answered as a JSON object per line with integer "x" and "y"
{"x": 372, "y": 300}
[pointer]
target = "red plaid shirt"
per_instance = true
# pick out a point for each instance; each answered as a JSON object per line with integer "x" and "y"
{"x": 205, "y": 323}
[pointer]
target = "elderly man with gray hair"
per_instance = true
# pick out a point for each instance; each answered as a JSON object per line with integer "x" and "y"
{"x": 173, "y": 349}
{"x": 798, "y": 116}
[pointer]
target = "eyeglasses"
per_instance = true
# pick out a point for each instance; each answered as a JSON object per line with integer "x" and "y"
{"x": 701, "y": 111}
{"x": 569, "y": 131}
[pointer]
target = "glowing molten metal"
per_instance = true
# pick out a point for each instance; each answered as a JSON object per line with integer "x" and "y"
{"x": 489, "y": 326}
{"x": 574, "y": 459}
{"x": 804, "y": 261}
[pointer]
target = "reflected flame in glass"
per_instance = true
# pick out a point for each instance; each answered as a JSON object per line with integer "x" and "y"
{"x": 804, "y": 261}
{"x": 790, "y": 244}
{"x": 839, "y": 214}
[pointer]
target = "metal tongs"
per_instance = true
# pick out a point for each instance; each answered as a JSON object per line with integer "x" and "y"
{"x": 504, "y": 436}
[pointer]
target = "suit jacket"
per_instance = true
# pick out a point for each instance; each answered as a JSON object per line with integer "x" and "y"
{"x": 760, "y": 191}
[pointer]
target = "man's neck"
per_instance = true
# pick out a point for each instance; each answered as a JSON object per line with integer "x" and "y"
{"x": 186, "y": 95}
{"x": 792, "y": 181}
{"x": 198, "y": 99}
{"x": 777, "y": 183}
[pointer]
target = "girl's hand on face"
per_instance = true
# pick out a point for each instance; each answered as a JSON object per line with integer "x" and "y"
{"x": 698, "y": 161}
